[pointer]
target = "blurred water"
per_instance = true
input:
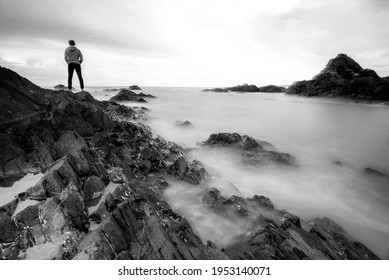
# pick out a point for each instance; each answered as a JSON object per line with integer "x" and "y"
{"x": 317, "y": 132}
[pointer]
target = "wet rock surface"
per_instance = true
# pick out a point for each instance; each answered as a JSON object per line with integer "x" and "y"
{"x": 345, "y": 78}
{"x": 102, "y": 192}
{"x": 251, "y": 151}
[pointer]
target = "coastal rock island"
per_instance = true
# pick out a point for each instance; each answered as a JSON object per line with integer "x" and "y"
{"x": 344, "y": 78}
{"x": 101, "y": 194}
{"x": 249, "y": 88}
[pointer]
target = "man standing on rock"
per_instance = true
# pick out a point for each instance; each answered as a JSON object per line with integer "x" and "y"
{"x": 73, "y": 58}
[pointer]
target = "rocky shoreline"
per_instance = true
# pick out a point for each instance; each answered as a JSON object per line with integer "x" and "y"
{"x": 102, "y": 192}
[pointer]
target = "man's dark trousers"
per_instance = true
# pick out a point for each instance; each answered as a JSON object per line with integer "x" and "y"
{"x": 71, "y": 68}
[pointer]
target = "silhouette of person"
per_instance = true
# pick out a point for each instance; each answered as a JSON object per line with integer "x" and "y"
{"x": 73, "y": 58}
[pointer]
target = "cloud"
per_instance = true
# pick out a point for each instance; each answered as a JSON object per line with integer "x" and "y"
{"x": 199, "y": 42}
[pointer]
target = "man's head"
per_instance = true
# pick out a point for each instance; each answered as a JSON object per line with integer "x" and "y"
{"x": 72, "y": 43}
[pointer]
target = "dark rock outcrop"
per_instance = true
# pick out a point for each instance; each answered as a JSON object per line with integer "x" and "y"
{"x": 128, "y": 95}
{"x": 134, "y": 87}
{"x": 216, "y": 89}
{"x": 272, "y": 88}
{"x": 102, "y": 192}
{"x": 345, "y": 78}
{"x": 244, "y": 88}
{"x": 252, "y": 152}
{"x": 248, "y": 88}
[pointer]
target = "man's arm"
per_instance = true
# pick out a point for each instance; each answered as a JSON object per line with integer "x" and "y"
{"x": 66, "y": 57}
{"x": 80, "y": 57}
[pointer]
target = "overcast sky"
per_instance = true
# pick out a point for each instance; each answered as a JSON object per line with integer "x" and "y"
{"x": 191, "y": 42}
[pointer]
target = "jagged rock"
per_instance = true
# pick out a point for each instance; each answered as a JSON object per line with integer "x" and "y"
{"x": 9, "y": 208}
{"x": 29, "y": 216}
{"x": 338, "y": 241}
{"x": 59, "y": 176}
{"x": 53, "y": 219}
{"x": 73, "y": 209}
{"x": 92, "y": 188}
{"x": 71, "y": 144}
{"x": 250, "y": 150}
{"x": 8, "y": 229}
{"x": 179, "y": 166}
{"x": 343, "y": 77}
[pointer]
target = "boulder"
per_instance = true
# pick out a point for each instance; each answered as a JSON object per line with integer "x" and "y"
{"x": 134, "y": 87}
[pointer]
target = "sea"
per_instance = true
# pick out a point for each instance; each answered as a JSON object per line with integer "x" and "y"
{"x": 333, "y": 141}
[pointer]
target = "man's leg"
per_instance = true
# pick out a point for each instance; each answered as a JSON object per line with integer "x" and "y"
{"x": 78, "y": 71}
{"x": 70, "y": 75}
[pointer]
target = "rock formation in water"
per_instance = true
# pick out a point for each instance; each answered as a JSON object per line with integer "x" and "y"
{"x": 216, "y": 89}
{"x": 128, "y": 95}
{"x": 249, "y": 88}
{"x": 272, "y": 88}
{"x": 134, "y": 87}
{"x": 102, "y": 192}
{"x": 244, "y": 88}
{"x": 252, "y": 152}
{"x": 345, "y": 78}
{"x": 184, "y": 124}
